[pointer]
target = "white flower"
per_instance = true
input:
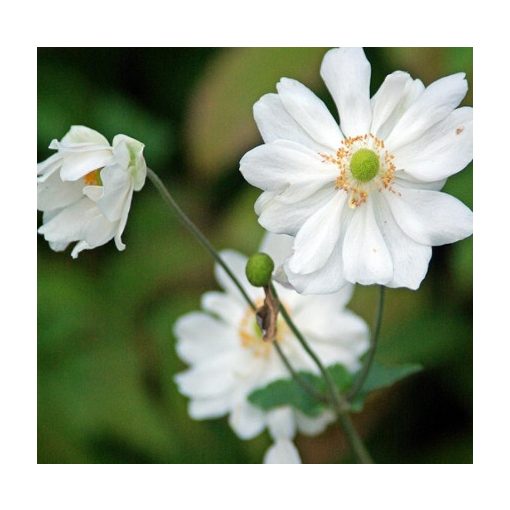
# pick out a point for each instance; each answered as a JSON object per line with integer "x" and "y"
{"x": 229, "y": 359}
{"x": 362, "y": 199}
{"x": 85, "y": 189}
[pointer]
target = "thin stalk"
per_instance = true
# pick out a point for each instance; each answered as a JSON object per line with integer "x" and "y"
{"x": 369, "y": 358}
{"x": 170, "y": 201}
{"x": 338, "y": 401}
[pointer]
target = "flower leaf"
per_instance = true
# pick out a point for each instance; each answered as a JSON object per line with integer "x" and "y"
{"x": 284, "y": 392}
{"x": 380, "y": 377}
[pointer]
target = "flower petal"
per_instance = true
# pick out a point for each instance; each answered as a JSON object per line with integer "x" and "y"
{"x": 274, "y": 166}
{"x": 318, "y": 236}
{"x": 201, "y": 337}
{"x": 276, "y": 123}
{"x": 387, "y": 98}
{"x": 443, "y": 150}
{"x": 53, "y": 193}
{"x": 281, "y": 423}
{"x": 437, "y": 101}
{"x": 246, "y": 420}
{"x": 365, "y": 254}
{"x": 223, "y": 306}
{"x": 76, "y": 165}
{"x": 329, "y": 278}
{"x": 410, "y": 259}
{"x": 314, "y": 426}
{"x": 282, "y": 217}
{"x": 432, "y": 218}
{"x": 346, "y": 72}
{"x": 310, "y": 113}
{"x": 209, "y": 408}
{"x": 282, "y": 451}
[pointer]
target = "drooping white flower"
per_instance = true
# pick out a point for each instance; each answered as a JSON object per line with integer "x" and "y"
{"x": 361, "y": 199}
{"x": 229, "y": 359}
{"x": 85, "y": 189}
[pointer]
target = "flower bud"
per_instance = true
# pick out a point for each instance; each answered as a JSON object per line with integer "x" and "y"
{"x": 259, "y": 269}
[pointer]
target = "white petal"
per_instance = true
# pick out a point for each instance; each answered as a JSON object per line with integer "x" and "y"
{"x": 279, "y": 247}
{"x": 413, "y": 90}
{"x": 82, "y": 221}
{"x": 387, "y": 98}
{"x": 365, "y": 254}
{"x": 128, "y": 153}
{"x": 48, "y": 167}
{"x": 281, "y": 423}
{"x": 123, "y": 220}
{"x": 318, "y": 237}
{"x": 274, "y": 166}
{"x": 83, "y": 135}
{"x": 430, "y": 217}
{"x": 282, "y": 451}
{"x": 275, "y": 123}
{"x": 281, "y": 217}
{"x": 314, "y": 426}
{"x": 246, "y": 420}
{"x": 406, "y": 180}
{"x": 53, "y": 193}
{"x": 77, "y": 164}
{"x": 310, "y": 113}
{"x": 223, "y": 306}
{"x": 437, "y": 101}
{"x": 329, "y": 278}
{"x": 346, "y": 72}
{"x": 207, "y": 379}
{"x": 116, "y": 187}
{"x": 209, "y": 408}
{"x": 443, "y": 150}
{"x": 201, "y": 337}
{"x": 410, "y": 259}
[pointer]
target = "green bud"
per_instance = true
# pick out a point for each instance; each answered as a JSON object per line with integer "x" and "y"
{"x": 259, "y": 269}
{"x": 364, "y": 165}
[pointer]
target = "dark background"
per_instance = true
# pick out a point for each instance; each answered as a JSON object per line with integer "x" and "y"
{"x": 105, "y": 346}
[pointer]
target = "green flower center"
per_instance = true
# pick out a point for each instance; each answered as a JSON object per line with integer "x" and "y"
{"x": 364, "y": 165}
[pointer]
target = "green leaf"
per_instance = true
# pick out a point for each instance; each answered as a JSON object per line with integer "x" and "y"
{"x": 284, "y": 392}
{"x": 380, "y": 377}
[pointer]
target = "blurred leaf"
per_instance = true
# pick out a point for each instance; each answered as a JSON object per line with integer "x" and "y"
{"x": 220, "y": 124}
{"x": 380, "y": 377}
{"x": 285, "y": 392}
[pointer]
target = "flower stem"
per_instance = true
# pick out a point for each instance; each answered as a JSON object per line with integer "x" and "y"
{"x": 170, "y": 201}
{"x": 367, "y": 364}
{"x": 338, "y": 401}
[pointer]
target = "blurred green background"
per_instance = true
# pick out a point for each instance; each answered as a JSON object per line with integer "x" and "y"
{"x": 105, "y": 347}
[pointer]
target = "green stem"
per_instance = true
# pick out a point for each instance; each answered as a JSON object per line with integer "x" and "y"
{"x": 167, "y": 197}
{"x": 367, "y": 364}
{"x": 170, "y": 201}
{"x": 338, "y": 401}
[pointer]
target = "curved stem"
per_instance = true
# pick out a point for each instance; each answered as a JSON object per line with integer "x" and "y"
{"x": 367, "y": 364}
{"x": 338, "y": 401}
{"x": 170, "y": 201}
{"x": 158, "y": 183}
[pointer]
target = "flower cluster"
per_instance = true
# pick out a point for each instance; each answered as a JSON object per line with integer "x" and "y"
{"x": 361, "y": 198}
{"x": 229, "y": 358}
{"x": 85, "y": 189}
{"x": 354, "y": 201}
